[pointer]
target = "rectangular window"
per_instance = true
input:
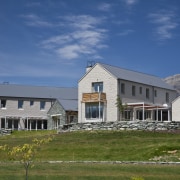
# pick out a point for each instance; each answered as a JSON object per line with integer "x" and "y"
{"x": 133, "y": 90}
{"x": 31, "y": 103}
{"x": 93, "y": 110}
{"x": 20, "y": 104}
{"x": 122, "y": 88}
{"x": 140, "y": 90}
{"x": 97, "y": 87}
{"x": 42, "y": 105}
{"x": 147, "y": 93}
{"x": 155, "y": 93}
{"x": 3, "y": 103}
{"x": 167, "y": 97}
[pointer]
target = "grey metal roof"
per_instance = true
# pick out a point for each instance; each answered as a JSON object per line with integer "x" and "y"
{"x": 24, "y": 91}
{"x": 69, "y": 104}
{"x": 134, "y": 76}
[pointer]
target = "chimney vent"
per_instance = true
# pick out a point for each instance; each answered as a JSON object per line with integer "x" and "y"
{"x": 90, "y": 64}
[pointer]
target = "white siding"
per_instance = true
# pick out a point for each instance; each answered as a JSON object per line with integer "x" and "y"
{"x": 27, "y": 110}
{"x": 176, "y": 110}
{"x": 112, "y": 88}
{"x": 160, "y": 99}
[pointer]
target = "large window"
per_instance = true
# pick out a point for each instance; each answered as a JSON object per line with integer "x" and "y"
{"x": 97, "y": 87}
{"x": 94, "y": 110}
{"x": 20, "y": 104}
{"x": 42, "y": 105}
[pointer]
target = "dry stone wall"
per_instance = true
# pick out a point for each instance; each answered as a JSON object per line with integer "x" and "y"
{"x": 124, "y": 125}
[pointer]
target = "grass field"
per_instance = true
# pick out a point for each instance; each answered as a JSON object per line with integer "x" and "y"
{"x": 96, "y": 146}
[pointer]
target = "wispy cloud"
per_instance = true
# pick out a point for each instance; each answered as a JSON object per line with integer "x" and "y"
{"x": 105, "y": 7}
{"x": 33, "y": 69}
{"x": 165, "y": 22}
{"x": 83, "y": 37}
{"x": 34, "y": 20}
{"x": 130, "y": 2}
{"x": 126, "y": 32}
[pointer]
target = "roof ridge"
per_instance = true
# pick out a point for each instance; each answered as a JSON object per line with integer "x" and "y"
{"x": 39, "y": 86}
{"x": 130, "y": 70}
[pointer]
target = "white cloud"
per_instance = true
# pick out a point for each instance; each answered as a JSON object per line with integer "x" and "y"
{"x": 82, "y": 21}
{"x": 55, "y": 41}
{"x": 165, "y": 22}
{"x": 69, "y": 51}
{"x": 83, "y": 37}
{"x": 34, "y": 20}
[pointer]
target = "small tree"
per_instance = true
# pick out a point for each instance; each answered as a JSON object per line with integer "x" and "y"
{"x": 25, "y": 153}
{"x": 121, "y": 107}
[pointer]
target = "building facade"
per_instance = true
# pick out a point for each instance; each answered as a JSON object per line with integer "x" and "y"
{"x": 145, "y": 97}
{"x": 32, "y": 107}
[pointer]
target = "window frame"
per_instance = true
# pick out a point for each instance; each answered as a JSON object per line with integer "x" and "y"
{"x": 95, "y": 86}
{"x": 31, "y": 103}
{"x": 92, "y": 111}
{"x": 155, "y": 93}
{"x": 3, "y": 103}
{"x": 20, "y": 104}
{"x": 42, "y": 105}
{"x": 167, "y": 97}
{"x": 133, "y": 90}
{"x": 140, "y": 90}
{"x": 122, "y": 88}
{"x": 147, "y": 93}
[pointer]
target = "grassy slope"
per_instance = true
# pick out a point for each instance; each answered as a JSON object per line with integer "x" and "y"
{"x": 96, "y": 145}
{"x": 101, "y": 145}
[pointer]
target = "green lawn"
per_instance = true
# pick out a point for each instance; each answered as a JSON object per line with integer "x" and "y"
{"x": 97, "y": 146}
{"x": 81, "y": 171}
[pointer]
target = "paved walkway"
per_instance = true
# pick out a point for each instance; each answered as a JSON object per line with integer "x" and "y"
{"x": 100, "y": 162}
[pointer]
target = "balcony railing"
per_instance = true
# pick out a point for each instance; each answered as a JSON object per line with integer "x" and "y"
{"x": 94, "y": 97}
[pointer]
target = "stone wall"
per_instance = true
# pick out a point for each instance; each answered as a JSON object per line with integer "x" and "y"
{"x": 124, "y": 125}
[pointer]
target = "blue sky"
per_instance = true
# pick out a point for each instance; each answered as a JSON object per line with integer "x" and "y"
{"x": 49, "y": 42}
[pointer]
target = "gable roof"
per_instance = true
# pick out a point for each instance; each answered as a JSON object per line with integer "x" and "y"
{"x": 69, "y": 104}
{"x": 137, "y": 77}
{"x": 24, "y": 91}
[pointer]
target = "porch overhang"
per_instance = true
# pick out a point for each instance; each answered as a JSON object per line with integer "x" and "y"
{"x": 147, "y": 106}
{"x": 23, "y": 117}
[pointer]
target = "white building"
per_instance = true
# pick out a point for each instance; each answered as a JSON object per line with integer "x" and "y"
{"x": 36, "y": 107}
{"x": 147, "y": 97}
{"x": 176, "y": 109}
